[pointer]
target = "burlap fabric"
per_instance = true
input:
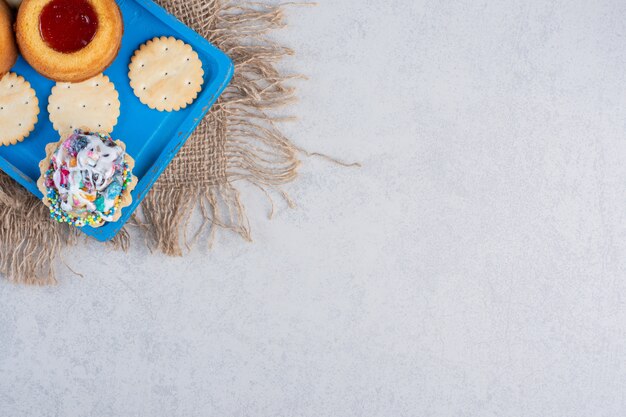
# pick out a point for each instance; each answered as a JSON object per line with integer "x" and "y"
{"x": 237, "y": 141}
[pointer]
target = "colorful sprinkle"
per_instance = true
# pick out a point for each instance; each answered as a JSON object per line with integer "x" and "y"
{"x": 81, "y": 215}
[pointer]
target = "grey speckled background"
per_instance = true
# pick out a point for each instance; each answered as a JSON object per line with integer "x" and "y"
{"x": 475, "y": 266}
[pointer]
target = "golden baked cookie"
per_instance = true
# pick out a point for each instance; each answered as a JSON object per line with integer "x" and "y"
{"x": 8, "y": 49}
{"x": 69, "y": 40}
{"x": 91, "y": 105}
{"x": 19, "y": 109}
{"x": 166, "y": 74}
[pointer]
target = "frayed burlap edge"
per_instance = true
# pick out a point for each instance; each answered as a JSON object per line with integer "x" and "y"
{"x": 29, "y": 248}
{"x": 30, "y": 243}
{"x": 250, "y": 145}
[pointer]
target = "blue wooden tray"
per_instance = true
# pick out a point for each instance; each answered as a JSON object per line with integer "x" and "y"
{"x": 152, "y": 138}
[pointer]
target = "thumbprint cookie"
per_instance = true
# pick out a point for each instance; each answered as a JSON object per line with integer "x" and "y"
{"x": 69, "y": 40}
{"x": 8, "y": 49}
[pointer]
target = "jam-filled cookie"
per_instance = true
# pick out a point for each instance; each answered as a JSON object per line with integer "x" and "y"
{"x": 69, "y": 40}
{"x": 8, "y": 49}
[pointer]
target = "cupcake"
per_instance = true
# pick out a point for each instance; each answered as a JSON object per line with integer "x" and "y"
{"x": 86, "y": 179}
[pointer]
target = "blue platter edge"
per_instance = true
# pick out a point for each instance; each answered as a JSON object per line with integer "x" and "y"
{"x": 222, "y": 73}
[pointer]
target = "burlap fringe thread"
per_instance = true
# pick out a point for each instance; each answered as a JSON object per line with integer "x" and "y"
{"x": 246, "y": 144}
{"x": 244, "y": 140}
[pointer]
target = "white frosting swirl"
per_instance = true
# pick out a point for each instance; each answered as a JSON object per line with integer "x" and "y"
{"x": 88, "y": 174}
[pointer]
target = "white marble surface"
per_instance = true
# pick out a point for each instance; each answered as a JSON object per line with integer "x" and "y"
{"x": 475, "y": 266}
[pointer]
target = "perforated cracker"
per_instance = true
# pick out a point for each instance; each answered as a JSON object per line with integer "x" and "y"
{"x": 19, "y": 109}
{"x": 166, "y": 74}
{"x": 91, "y": 105}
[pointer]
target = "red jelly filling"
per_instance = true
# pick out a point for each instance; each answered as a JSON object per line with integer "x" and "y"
{"x": 68, "y": 25}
